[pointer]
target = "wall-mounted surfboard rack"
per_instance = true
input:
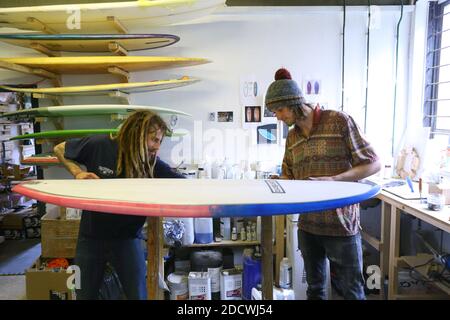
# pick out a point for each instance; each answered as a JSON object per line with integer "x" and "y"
{"x": 122, "y": 96}
{"x": 56, "y": 100}
{"x": 39, "y": 25}
{"x": 55, "y": 78}
{"x": 36, "y": 24}
{"x": 123, "y": 74}
{"x": 117, "y": 24}
{"x": 43, "y": 49}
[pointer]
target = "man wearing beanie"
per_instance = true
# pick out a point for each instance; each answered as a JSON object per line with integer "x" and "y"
{"x": 324, "y": 145}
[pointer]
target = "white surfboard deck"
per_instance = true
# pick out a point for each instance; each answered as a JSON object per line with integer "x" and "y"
{"x": 99, "y": 89}
{"x": 198, "y": 197}
{"x": 93, "y": 17}
{"x": 86, "y": 110}
{"x": 90, "y": 42}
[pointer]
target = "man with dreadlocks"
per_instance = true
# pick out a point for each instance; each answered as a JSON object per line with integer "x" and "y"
{"x": 324, "y": 145}
{"x": 115, "y": 238}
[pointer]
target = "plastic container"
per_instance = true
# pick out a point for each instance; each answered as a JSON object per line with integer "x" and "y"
{"x": 251, "y": 276}
{"x": 225, "y": 228}
{"x": 285, "y": 274}
{"x": 188, "y": 236}
{"x": 178, "y": 285}
{"x": 203, "y": 230}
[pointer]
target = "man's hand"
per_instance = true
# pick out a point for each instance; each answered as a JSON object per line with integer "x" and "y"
{"x": 86, "y": 175}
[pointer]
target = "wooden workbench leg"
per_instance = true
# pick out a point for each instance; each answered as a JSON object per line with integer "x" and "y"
{"x": 394, "y": 250}
{"x": 267, "y": 257}
{"x": 384, "y": 245}
{"x": 280, "y": 226}
{"x": 154, "y": 258}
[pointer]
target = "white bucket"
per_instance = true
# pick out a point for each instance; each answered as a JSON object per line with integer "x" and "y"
{"x": 178, "y": 285}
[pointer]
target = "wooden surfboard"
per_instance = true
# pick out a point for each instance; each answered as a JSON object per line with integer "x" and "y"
{"x": 100, "y": 64}
{"x": 108, "y": 17}
{"x": 85, "y": 110}
{"x": 90, "y": 42}
{"x": 99, "y": 89}
{"x": 198, "y": 197}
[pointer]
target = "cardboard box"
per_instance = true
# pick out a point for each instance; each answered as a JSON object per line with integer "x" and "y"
{"x": 58, "y": 236}
{"x": 46, "y": 284}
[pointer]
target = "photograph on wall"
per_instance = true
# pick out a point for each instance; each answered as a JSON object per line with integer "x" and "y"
{"x": 252, "y": 114}
{"x": 312, "y": 87}
{"x": 267, "y": 134}
{"x": 225, "y": 116}
{"x": 268, "y": 113}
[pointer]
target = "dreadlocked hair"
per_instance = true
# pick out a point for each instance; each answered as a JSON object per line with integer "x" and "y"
{"x": 134, "y": 160}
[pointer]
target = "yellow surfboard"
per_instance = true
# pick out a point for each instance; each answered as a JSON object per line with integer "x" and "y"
{"x": 100, "y": 64}
{"x": 90, "y": 42}
{"x": 105, "y": 88}
{"x": 105, "y": 17}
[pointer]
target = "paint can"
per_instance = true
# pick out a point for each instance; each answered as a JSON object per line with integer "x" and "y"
{"x": 178, "y": 285}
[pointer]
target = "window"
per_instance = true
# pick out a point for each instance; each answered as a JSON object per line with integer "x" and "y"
{"x": 437, "y": 76}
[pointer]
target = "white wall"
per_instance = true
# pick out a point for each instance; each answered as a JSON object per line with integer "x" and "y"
{"x": 257, "y": 41}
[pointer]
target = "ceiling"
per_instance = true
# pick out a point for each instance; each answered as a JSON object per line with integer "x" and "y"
{"x": 24, "y": 3}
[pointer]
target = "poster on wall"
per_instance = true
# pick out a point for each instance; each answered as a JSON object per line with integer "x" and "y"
{"x": 267, "y": 134}
{"x": 252, "y": 116}
{"x": 248, "y": 90}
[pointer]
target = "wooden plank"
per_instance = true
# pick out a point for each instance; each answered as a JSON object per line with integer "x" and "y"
{"x": 267, "y": 257}
{"x": 374, "y": 242}
{"x": 384, "y": 245}
{"x": 280, "y": 225}
{"x": 394, "y": 249}
{"x": 154, "y": 251}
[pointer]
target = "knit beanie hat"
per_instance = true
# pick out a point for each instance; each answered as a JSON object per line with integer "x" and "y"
{"x": 283, "y": 91}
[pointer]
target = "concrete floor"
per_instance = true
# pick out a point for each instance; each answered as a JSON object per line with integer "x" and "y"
{"x": 12, "y": 288}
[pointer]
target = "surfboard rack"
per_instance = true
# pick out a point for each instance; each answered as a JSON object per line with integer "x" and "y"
{"x": 39, "y": 25}
{"x": 43, "y": 49}
{"x": 56, "y": 79}
{"x": 123, "y": 74}
{"x": 56, "y": 100}
{"x": 116, "y": 48}
{"x": 117, "y": 24}
{"x": 123, "y": 96}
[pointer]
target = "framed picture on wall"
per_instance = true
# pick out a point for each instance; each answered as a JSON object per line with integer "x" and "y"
{"x": 225, "y": 116}
{"x": 267, "y": 134}
{"x": 252, "y": 114}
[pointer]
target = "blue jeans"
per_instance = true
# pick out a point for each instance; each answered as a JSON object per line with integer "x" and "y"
{"x": 125, "y": 255}
{"x": 345, "y": 253}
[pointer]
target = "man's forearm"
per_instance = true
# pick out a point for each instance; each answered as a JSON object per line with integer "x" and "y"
{"x": 359, "y": 172}
{"x": 70, "y": 165}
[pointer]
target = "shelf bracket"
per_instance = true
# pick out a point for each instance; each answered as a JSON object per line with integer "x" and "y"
{"x": 124, "y": 97}
{"x": 117, "y": 24}
{"x": 123, "y": 74}
{"x": 37, "y": 24}
{"x": 116, "y": 48}
{"x": 56, "y": 100}
{"x": 43, "y": 49}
